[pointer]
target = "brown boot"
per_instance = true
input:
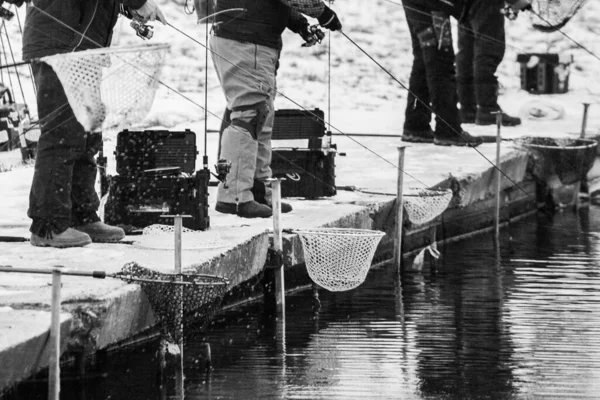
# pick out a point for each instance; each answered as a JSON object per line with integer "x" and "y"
{"x": 68, "y": 238}
{"x": 101, "y": 233}
{"x": 249, "y": 209}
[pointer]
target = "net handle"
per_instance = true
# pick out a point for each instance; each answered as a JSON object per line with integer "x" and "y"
{"x": 104, "y": 274}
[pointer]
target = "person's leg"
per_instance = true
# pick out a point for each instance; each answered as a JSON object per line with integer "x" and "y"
{"x": 488, "y": 25}
{"x": 247, "y": 75}
{"x": 465, "y": 72}
{"x": 84, "y": 199}
{"x": 59, "y": 147}
{"x": 417, "y": 116}
{"x": 438, "y": 55}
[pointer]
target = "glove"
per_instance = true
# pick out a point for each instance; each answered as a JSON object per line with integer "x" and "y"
{"x": 330, "y": 20}
{"x": 149, "y": 12}
{"x": 311, "y": 35}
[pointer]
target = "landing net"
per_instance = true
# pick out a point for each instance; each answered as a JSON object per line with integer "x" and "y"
{"x": 183, "y": 304}
{"x": 338, "y": 259}
{"x": 110, "y": 87}
{"x": 552, "y": 15}
{"x": 424, "y": 205}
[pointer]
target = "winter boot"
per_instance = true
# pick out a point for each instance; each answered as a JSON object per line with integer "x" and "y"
{"x": 259, "y": 192}
{"x": 464, "y": 139}
{"x": 249, "y": 209}
{"x": 414, "y": 136}
{"x": 99, "y": 232}
{"x": 68, "y": 238}
{"x": 487, "y": 116}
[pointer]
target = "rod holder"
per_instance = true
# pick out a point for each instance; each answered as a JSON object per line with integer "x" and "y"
{"x": 498, "y": 172}
{"x": 584, "y": 119}
{"x": 54, "y": 362}
{"x": 399, "y": 209}
{"x": 178, "y": 225}
{"x": 278, "y": 244}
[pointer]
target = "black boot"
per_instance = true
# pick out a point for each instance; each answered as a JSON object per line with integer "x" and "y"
{"x": 413, "y": 136}
{"x": 464, "y": 139}
{"x": 487, "y": 116}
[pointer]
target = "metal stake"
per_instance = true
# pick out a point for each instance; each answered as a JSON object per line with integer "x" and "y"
{"x": 498, "y": 174}
{"x": 399, "y": 209}
{"x": 278, "y": 245}
{"x": 54, "y": 363}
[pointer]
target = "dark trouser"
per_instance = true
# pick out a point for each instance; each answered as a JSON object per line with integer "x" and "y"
{"x": 481, "y": 46}
{"x": 62, "y": 192}
{"x": 432, "y": 84}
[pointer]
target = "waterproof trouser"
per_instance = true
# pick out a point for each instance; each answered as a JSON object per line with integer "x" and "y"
{"x": 432, "y": 83}
{"x": 481, "y": 47}
{"x": 63, "y": 189}
{"x": 246, "y": 72}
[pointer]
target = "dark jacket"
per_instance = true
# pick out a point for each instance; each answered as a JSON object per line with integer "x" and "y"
{"x": 62, "y": 26}
{"x": 262, "y": 23}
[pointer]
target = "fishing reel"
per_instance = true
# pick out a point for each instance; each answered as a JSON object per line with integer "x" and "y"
{"x": 223, "y": 167}
{"x": 312, "y": 36}
{"x": 5, "y": 13}
{"x": 141, "y": 30}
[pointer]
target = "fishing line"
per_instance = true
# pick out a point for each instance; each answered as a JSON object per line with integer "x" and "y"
{"x": 430, "y": 109}
{"x": 289, "y": 99}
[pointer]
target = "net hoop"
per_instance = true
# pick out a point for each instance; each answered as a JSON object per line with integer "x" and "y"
{"x": 339, "y": 259}
{"x": 183, "y": 311}
{"x": 552, "y": 15}
{"x": 110, "y": 87}
{"x": 424, "y": 205}
{"x": 569, "y": 159}
{"x": 161, "y": 237}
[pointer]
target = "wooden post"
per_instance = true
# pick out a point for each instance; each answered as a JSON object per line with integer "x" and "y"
{"x": 498, "y": 172}
{"x": 278, "y": 246}
{"x": 54, "y": 363}
{"x": 399, "y": 209}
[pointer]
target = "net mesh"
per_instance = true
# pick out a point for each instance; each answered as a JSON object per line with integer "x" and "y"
{"x": 570, "y": 159}
{"x": 161, "y": 237}
{"x": 338, "y": 259}
{"x": 182, "y": 310}
{"x": 110, "y": 87}
{"x": 551, "y": 15}
{"x": 424, "y": 205}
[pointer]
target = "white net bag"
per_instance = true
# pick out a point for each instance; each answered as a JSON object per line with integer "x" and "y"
{"x": 424, "y": 205}
{"x": 110, "y": 87}
{"x": 338, "y": 259}
{"x": 162, "y": 237}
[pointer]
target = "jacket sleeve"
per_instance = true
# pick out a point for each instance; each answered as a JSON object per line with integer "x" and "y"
{"x": 312, "y": 8}
{"x": 134, "y": 4}
{"x": 297, "y": 22}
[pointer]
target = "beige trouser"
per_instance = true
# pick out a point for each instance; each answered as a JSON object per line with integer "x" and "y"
{"x": 247, "y": 75}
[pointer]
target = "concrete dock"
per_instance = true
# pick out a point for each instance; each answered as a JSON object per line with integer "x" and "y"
{"x": 100, "y": 314}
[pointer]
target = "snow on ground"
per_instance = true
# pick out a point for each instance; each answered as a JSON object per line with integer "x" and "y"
{"x": 362, "y": 97}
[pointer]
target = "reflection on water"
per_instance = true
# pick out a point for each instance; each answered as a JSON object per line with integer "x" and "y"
{"x": 516, "y": 321}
